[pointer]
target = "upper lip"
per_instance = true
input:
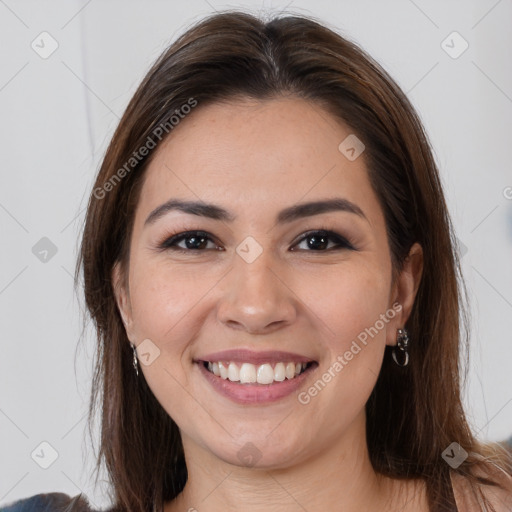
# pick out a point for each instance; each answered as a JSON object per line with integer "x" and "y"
{"x": 255, "y": 357}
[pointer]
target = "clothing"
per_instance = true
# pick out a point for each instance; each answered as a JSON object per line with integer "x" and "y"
{"x": 50, "y": 502}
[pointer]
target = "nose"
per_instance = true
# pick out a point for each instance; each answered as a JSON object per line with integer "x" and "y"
{"x": 255, "y": 297}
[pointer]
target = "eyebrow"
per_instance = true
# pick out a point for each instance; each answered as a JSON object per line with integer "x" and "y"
{"x": 287, "y": 215}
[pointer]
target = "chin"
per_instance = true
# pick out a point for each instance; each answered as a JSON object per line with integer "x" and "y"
{"x": 259, "y": 451}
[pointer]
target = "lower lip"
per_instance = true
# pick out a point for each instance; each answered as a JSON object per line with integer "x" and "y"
{"x": 254, "y": 393}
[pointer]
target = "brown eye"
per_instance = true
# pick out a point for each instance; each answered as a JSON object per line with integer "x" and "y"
{"x": 318, "y": 241}
{"x": 193, "y": 241}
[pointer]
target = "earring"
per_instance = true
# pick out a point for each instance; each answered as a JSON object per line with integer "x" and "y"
{"x": 402, "y": 341}
{"x": 135, "y": 362}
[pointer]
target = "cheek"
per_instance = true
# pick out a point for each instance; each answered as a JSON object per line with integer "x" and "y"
{"x": 166, "y": 309}
{"x": 351, "y": 304}
{"x": 164, "y": 300}
{"x": 348, "y": 301}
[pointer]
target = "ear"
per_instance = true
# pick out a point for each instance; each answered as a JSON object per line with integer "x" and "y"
{"x": 123, "y": 300}
{"x": 404, "y": 291}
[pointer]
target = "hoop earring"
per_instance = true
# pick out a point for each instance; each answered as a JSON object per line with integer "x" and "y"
{"x": 135, "y": 361}
{"x": 402, "y": 341}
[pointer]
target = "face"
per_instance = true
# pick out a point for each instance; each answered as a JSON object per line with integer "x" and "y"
{"x": 299, "y": 299}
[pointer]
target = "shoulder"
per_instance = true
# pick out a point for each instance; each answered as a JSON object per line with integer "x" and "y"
{"x": 49, "y": 502}
{"x": 498, "y": 497}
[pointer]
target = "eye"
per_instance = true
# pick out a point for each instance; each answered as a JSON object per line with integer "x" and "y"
{"x": 193, "y": 240}
{"x": 197, "y": 241}
{"x": 318, "y": 241}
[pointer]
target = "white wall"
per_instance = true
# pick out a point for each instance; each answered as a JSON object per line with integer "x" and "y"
{"x": 58, "y": 114}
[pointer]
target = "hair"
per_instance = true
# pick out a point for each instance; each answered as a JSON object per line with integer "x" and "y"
{"x": 414, "y": 413}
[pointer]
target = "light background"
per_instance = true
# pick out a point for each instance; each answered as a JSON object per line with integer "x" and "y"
{"x": 58, "y": 114}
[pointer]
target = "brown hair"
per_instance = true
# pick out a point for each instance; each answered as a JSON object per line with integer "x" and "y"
{"x": 414, "y": 413}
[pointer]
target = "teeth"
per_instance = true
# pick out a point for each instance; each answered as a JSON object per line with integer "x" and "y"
{"x": 248, "y": 373}
{"x": 223, "y": 370}
{"x": 265, "y": 374}
{"x": 233, "y": 372}
{"x": 289, "y": 371}
{"x": 279, "y": 372}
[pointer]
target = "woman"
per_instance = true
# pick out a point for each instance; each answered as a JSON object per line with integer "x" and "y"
{"x": 270, "y": 265}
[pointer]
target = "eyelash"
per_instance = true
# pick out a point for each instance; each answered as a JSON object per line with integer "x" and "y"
{"x": 169, "y": 242}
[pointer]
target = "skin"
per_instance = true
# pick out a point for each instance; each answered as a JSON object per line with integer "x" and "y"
{"x": 255, "y": 158}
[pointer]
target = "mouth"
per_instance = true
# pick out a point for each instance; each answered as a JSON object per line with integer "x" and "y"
{"x": 248, "y": 377}
{"x": 248, "y": 373}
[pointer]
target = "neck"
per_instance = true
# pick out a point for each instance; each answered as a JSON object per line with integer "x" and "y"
{"x": 338, "y": 478}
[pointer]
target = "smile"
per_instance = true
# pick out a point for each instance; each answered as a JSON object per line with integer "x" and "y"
{"x": 248, "y": 373}
{"x": 248, "y": 377}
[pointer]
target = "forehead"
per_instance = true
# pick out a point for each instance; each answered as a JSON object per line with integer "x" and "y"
{"x": 247, "y": 154}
